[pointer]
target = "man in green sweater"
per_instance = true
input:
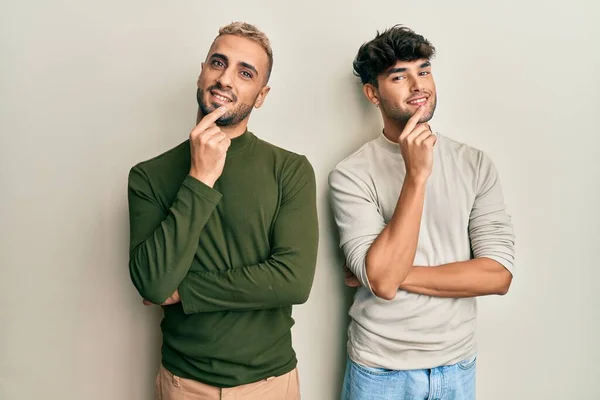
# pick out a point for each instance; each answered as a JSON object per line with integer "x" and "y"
{"x": 224, "y": 236}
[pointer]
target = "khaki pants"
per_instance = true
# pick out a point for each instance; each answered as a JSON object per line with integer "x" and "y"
{"x": 171, "y": 387}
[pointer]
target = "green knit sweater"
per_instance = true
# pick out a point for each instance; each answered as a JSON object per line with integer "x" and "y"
{"x": 240, "y": 254}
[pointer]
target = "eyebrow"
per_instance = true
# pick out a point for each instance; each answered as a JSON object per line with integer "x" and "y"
{"x": 249, "y": 66}
{"x": 397, "y": 70}
{"x": 241, "y": 63}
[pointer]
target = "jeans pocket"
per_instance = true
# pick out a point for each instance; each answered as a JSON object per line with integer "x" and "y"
{"x": 467, "y": 363}
{"x": 374, "y": 370}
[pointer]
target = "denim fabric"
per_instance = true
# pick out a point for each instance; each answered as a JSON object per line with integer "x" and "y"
{"x": 451, "y": 382}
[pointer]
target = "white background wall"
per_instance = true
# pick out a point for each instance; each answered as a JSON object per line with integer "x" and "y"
{"x": 90, "y": 88}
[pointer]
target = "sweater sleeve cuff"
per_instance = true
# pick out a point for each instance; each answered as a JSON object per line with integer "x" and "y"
{"x": 186, "y": 302}
{"x": 202, "y": 189}
{"x": 502, "y": 261}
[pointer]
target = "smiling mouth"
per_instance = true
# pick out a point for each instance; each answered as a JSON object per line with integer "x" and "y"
{"x": 221, "y": 98}
{"x": 418, "y": 102}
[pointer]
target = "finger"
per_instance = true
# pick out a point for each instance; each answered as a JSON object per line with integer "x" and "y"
{"x": 147, "y": 303}
{"x": 430, "y": 141}
{"x": 216, "y": 138}
{"x": 196, "y": 133}
{"x": 208, "y": 134}
{"x": 210, "y": 119}
{"x": 412, "y": 122}
{"x": 419, "y": 129}
{"x": 348, "y": 273}
{"x": 225, "y": 143}
{"x": 423, "y": 136}
{"x": 352, "y": 282}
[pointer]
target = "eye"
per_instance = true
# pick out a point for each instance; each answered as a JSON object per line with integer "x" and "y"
{"x": 399, "y": 78}
{"x": 217, "y": 63}
{"x": 246, "y": 74}
{"x": 424, "y": 73}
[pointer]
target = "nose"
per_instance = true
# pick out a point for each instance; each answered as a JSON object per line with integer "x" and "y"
{"x": 226, "y": 78}
{"x": 416, "y": 85}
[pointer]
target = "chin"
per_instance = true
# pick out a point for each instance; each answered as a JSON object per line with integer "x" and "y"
{"x": 429, "y": 113}
{"x": 213, "y": 106}
{"x": 426, "y": 118}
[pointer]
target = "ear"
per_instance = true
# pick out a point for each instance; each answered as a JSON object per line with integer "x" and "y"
{"x": 260, "y": 99}
{"x": 371, "y": 93}
{"x": 201, "y": 69}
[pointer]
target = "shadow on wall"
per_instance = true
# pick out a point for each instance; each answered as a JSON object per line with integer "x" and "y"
{"x": 347, "y": 298}
{"x": 368, "y": 130}
{"x": 154, "y": 344}
{"x": 146, "y": 336}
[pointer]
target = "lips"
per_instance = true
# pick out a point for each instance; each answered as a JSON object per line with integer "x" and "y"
{"x": 221, "y": 98}
{"x": 417, "y": 101}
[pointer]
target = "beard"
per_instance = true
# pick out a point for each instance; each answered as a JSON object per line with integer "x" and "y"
{"x": 402, "y": 115}
{"x": 231, "y": 117}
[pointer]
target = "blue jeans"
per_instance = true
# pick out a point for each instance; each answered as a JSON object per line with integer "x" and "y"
{"x": 451, "y": 382}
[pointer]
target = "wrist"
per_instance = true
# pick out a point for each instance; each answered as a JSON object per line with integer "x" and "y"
{"x": 413, "y": 276}
{"x": 416, "y": 181}
{"x": 208, "y": 181}
{"x": 407, "y": 279}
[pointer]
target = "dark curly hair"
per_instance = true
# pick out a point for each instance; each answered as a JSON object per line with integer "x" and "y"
{"x": 397, "y": 43}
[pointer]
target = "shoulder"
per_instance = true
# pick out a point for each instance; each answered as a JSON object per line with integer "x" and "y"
{"x": 459, "y": 149}
{"x": 167, "y": 164}
{"x": 287, "y": 161}
{"x": 471, "y": 162}
{"x": 464, "y": 154}
{"x": 357, "y": 164}
{"x": 176, "y": 155}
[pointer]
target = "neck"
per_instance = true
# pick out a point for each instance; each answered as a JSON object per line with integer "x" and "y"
{"x": 231, "y": 131}
{"x": 392, "y": 129}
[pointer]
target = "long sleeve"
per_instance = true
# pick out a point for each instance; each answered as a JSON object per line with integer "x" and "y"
{"x": 490, "y": 227}
{"x": 286, "y": 277}
{"x": 163, "y": 242}
{"x": 357, "y": 218}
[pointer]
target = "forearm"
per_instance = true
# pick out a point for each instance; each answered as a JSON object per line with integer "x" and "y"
{"x": 285, "y": 278}
{"x": 477, "y": 277}
{"x": 267, "y": 285}
{"x": 160, "y": 260}
{"x": 392, "y": 254}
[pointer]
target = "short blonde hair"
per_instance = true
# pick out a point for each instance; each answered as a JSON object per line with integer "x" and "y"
{"x": 251, "y": 32}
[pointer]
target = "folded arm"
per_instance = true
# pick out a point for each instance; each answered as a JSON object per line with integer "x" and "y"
{"x": 373, "y": 252}
{"x": 492, "y": 243}
{"x": 286, "y": 277}
{"x": 477, "y": 277}
{"x": 163, "y": 242}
